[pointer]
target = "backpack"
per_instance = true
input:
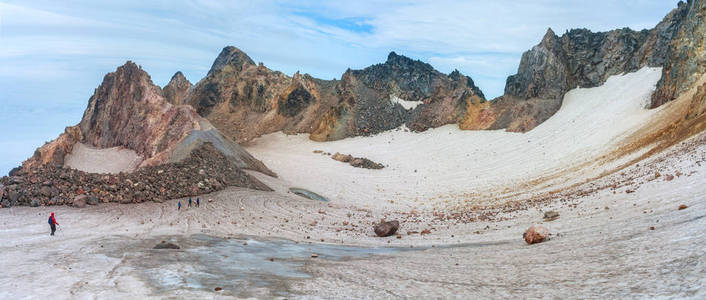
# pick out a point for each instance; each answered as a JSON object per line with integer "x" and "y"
{"x": 50, "y": 221}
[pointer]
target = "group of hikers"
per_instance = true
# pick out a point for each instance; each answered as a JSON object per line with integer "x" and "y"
{"x": 198, "y": 203}
{"x": 53, "y": 222}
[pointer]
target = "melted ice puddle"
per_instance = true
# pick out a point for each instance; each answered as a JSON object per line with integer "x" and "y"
{"x": 242, "y": 266}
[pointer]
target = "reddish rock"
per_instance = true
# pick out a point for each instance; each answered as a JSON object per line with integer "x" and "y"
{"x": 683, "y": 206}
{"x": 385, "y": 229}
{"x": 536, "y": 234}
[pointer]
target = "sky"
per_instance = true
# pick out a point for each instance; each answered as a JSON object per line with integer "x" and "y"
{"x": 53, "y": 54}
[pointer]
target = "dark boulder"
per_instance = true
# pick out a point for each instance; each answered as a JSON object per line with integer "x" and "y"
{"x": 386, "y": 228}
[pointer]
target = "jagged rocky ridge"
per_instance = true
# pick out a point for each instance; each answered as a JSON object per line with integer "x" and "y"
{"x": 245, "y": 100}
{"x": 171, "y": 141}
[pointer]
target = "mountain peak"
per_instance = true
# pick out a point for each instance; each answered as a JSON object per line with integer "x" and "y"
{"x": 549, "y": 37}
{"x": 232, "y": 56}
{"x": 392, "y": 55}
{"x": 177, "y": 89}
{"x": 178, "y": 76}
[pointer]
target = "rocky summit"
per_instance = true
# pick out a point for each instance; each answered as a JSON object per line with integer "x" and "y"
{"x": 168, "y": 144}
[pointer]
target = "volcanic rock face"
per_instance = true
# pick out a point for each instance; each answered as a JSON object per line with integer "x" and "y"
{"x": 686, "y": 55}
{"x": 245, "y": 100}
{"x": 371, "y": 99}
{"x": 581, "y": 58}
{"x": 177, "y": 89}
{"x": 127, "y": 111}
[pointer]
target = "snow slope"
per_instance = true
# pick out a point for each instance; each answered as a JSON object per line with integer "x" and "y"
{"x": 447, "y": 163}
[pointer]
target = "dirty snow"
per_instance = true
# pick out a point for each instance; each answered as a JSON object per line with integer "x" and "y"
{"x": 109, "y": 160}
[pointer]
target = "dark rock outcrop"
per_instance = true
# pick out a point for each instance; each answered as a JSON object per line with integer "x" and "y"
{"x": 367, "y": 99}
{"x": 685, "y": 58}
{"x": 177, "y": 89}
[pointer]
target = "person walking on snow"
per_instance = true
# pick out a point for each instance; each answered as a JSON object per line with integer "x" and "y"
{"x": 189, "y": 201}
{"x": 179, "y": 205}
{"x": 198, "y": 202}
{"x": 52, "y": 223}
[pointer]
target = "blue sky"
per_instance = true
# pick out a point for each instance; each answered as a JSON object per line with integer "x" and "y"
{"x": 53, "y": 54}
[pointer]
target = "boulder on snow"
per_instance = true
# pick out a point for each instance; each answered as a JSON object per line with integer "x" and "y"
{"x": 80, "y": 201}
{"x": 536, "y": 234}
{"x": 387, "y": 228}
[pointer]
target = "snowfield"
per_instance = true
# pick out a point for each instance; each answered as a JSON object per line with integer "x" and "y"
{"x": 111, "y": 160}
{"x": 450, "y": 163}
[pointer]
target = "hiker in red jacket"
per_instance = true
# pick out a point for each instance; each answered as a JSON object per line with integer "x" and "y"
{"x": 52, "y": 223}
